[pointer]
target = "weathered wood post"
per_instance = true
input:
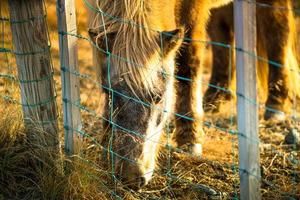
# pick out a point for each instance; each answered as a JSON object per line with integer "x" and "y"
{"x": 67, "y": 28}
{"x": 32, "y": 51}
{"x": 245, "y": 35}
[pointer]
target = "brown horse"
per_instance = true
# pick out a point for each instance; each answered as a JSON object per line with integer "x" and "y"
{"x": 140, "y": 42}
{"x": 275, "y": 42}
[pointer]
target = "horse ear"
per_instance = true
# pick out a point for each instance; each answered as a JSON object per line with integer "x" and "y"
{"x": 93, "y": 33}
{"x": 171, "y": 40}
{"x": 94, "y": 36}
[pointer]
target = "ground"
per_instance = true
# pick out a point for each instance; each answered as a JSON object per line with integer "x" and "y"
{"x": 178, "y": 176}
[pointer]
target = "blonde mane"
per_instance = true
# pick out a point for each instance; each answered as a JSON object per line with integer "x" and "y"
{"x": 134, "y": 43}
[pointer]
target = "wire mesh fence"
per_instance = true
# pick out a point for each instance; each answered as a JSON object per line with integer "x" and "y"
{"x": 178, "y": 174}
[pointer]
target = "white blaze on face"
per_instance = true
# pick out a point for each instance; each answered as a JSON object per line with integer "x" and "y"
{"x": 154, "y": 130}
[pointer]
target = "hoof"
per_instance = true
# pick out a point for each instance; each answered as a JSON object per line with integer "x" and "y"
{"x": 274, "y": 116}
{"x": 189, "y": 140}
{"x": 192, "y": 149}
{"x": 211, "y": 108}
{"x": 293, "y": 137}
{"x": 213, "y": 98}
{"x": 196, "y": 149}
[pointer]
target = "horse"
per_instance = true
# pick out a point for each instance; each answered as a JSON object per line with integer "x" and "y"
{"x": 276, "y": 37}
{"x": 142, "y": 43}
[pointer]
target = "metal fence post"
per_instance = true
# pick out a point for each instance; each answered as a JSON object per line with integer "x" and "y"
{"x": 245, "y": 37}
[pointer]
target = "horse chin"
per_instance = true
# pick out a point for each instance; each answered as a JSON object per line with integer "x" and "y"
{"x": 135, "y": 158}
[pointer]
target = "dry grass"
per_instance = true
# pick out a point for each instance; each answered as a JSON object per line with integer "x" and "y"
{"x": 28, "y": 169}
{"x": 31, "y": 170}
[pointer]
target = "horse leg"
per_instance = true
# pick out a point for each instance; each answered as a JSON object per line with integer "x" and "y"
{"x": 278, "y": 75}
{"x": 189, "y": 132}
{"x": 220, "y": 29}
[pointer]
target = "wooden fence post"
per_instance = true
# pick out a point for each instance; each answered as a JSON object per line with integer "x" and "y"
{"x": 66, "y": 17}
{"x": 32, "y": 51}
{"x": 245, "y": 35}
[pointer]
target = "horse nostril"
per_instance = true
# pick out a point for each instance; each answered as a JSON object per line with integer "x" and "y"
{"x": 142, "y": 181}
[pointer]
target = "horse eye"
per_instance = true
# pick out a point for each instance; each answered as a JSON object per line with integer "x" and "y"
{"x": 107, "y": 39}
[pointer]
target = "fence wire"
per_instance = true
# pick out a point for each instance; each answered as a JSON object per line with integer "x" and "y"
{"x": 213, "y": 183}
